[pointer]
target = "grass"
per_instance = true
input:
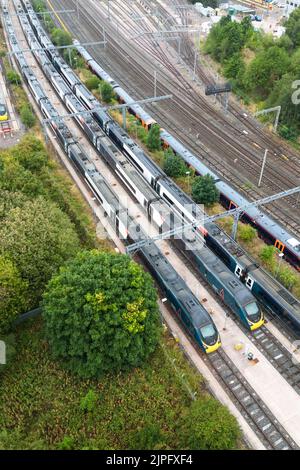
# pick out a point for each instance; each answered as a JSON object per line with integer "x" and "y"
{"x": 44, "y": 407}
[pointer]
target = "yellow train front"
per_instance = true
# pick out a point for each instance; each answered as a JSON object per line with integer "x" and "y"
{"x": 3, "y": 112}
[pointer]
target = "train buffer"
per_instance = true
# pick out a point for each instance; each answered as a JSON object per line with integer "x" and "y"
{"x": 6, "y": 129}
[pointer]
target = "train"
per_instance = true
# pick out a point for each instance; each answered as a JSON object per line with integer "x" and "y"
{"x": 194, "y": 316}
{"x": 146, "y": 195}
{"x": 271, "y": 231}
{"x": 3, "y": 112}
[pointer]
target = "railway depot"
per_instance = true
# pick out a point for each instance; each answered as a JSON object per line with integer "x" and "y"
{"x": 249, "y": 364}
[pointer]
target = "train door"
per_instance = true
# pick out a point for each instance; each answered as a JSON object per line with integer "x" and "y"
{"x": 238, "y": 271}
{"x": 279, "y": 245}
{"x": 249, "y": 282}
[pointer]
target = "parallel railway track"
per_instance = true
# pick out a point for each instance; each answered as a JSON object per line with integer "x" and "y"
{"x": 246, "y": 168}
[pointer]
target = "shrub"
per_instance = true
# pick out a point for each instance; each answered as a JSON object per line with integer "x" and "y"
{"x": 173, "y": 165}
{"x": 153, "y": 138}
{"x": 92, "y": 83}
{"x": 13, "y": 77}
{"x": 27, "y": 117}
{"x": 246, "y": 233}
{"x": 107, "y": 92}
{"x": 208, "y": 425}
{"x": 204, "y": 190}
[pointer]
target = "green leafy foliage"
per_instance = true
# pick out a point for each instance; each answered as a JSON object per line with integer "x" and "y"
{"x": 61, "y": 37}
{"x": 13, "y": 77}
{"x": 260, "y": 67}
{"x": 38, "y": 238}
{"x": 267, "y": 254}
{"x": 40, "y": 402}
{"x": 89, "y": 401}
{"x": 101, "y": 314}
{"x": 92, "y": 83}
{"x": 13, "y": 294}
{"x": 27, "y": 117}
{"x": 208, "y": 425}
{"x": 204, "y": 190}
{"x": 107, "y": 92}
{"x": 173, "y": 165}
{"x": 292, "y": 27}
{"x": 246, "y": 233}
{"x": 153, "y": 138}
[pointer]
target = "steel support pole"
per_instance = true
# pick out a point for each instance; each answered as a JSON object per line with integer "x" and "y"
{"x": 236, "y": 218}
{"x": 195, "y": 64}
{"x": 124, "y": 118}
{"x": 262, "y": 168}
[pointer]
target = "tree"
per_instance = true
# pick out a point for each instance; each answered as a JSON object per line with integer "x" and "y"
{"x": 12, "y": 294}
{"x": 268, "y": 66}
{"x": 204, "y": 190}
{"x": 107, "y": 92}
{"x": 208, "y": 425}
{"x": 27, "y": 117}
{"x": 153, "y": 139}
{"x": 174, "y": 166}
{"x": 292, "y": 27}
{"x": 101, "y": 314}
{"x": 38, "y": 238}
{"x": 235, "y": 67}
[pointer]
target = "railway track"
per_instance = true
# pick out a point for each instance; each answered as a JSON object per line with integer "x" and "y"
{"x": 255, "y": 412}
{"x": 248, "y": 163}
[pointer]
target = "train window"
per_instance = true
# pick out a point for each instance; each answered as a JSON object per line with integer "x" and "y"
{"x": 238, "y": 271}
{"x": 249, "y": 282}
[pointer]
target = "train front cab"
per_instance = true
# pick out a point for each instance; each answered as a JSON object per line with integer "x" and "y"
{"x": 3, "y": 113}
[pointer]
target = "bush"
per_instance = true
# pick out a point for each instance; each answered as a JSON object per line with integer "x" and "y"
{"x": 246, "y": 233}
{"x": 107, "y": 92}
{"x": 287, "y": 277}
{"x": 92, "y": 83}
{"x": 173, "y": 165}
{"x": 27, "y": 117}
{"x": 267, "y": 254}
{"x": 13, "y": 77}
{"x": 13, "y": 292}
{"x": 88, "y": 402}
{"x": 208, "y": 425}
{"x": 153, "y": 138}
{"x": 101, "y": 314}
{"x": 204, "y": 190}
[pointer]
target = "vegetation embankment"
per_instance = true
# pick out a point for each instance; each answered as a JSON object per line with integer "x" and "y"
{"x": 95, "y": 372}
{"x": 76, "y": 378}
{"x": 262, "y": 69}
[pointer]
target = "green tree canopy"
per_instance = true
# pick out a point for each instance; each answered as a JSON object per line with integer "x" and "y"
{"x": 173, "y": 165}
{"x": 208, "y": 425}
{"x": 61, "y": 37}
{"x": 292, "y": 27}
{"x": 38, "y": 238}
{"x": 13, "y": 292}
{"x": 107, "y": 92}
{"x": 153, "y": 138}
{"x": 204, "y": 190}
{"x": 101, "y": 314}
{"x": 267, "y": 67}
